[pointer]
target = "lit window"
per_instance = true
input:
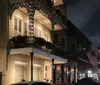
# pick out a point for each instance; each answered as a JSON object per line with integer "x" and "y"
{"x": 25, "y": 28}
{"x": 17, "y": 26}
{"x": 38, "y": 33}
{"x": 15, "y": 23}
{"x": 20, "y": 25}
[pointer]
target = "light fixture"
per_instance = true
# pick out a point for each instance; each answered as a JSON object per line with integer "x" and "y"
{"x": 89, "y": 71}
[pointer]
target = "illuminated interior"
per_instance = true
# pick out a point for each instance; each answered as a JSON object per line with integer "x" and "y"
{"x": 42, "y": 18}
{"x": 58, "y": 2}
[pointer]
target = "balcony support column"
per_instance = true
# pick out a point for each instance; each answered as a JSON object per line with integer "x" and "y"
{"x": 31, "y": 13}
{"x": 53, "y": 25}
{"x": 31, "y": 57}
{"x": 53, "y": 72}
{"x": 75, "y": 74}
{"x": 62, "y": 72}
{"x": 69, "y": 73}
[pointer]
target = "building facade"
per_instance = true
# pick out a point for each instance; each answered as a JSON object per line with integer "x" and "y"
{"x": 78, "y": 47}
{"x": 27, "y": 35}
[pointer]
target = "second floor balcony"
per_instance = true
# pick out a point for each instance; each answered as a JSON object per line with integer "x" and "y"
{"x": 48, "y": 7}
{"x": 39, "y": 43}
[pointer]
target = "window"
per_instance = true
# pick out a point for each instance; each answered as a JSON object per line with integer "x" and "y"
{"x": 17, "y": 26}
{"x": 45, "y": 68}
{"x": 15, "y": 23}
{"x": 46, "y": 37}
{"x": 20, "y": 25}
{"x": 37, "y": 32}
{"x": 25, "y": 28}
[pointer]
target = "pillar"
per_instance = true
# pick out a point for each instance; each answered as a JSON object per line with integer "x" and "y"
{"x": 69, "y": 74}
{"x": 62, "y": 72}
{"x": 53, "y": 72}
{"x": 66, "y": 73}
{"x": 31, "y": 55}
{"x": 75, "y": 75}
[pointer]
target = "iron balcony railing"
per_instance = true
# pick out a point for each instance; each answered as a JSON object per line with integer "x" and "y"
{"x": 40, "y": 43}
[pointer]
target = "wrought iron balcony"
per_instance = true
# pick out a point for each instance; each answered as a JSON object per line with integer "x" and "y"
{"x": 56, "y": 14}
{"x": 46, "y": 6}
{"x": 40, "y": 43}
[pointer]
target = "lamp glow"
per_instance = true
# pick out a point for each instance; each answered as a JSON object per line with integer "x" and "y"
{"x": 89, "y": 71}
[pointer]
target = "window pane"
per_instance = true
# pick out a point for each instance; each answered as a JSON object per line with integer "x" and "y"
{"x": 38, "y": 33}
{"x": 15, "y": 24}
{"x": 20, "y": 25}
{"x": 25, "y": 27}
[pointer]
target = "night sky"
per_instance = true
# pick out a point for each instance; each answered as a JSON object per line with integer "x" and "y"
{"x": 85, "y": 14}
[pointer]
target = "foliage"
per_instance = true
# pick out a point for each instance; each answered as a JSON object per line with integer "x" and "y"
{"x": 22, "y": 42}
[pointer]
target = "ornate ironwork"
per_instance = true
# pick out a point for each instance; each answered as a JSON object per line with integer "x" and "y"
{"x": 53, "y": 25}
{"x": 31, "y": 13}
{"x": 51, "y": 12}
{"x": 30, "y": 7}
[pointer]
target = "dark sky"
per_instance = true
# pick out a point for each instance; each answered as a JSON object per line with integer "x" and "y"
{"x": 85, "y": 14}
